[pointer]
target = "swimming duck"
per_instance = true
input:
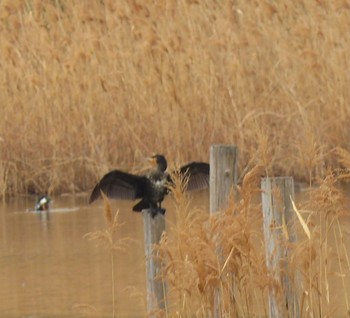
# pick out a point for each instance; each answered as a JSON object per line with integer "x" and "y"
{"x": 42, "y": 203}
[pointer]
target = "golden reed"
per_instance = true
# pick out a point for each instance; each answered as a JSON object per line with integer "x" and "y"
{"x": 88, "y": 88}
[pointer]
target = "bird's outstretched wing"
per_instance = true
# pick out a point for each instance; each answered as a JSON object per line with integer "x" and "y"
{"x": 198, "y": 175}
{"x": 120, "y": 185}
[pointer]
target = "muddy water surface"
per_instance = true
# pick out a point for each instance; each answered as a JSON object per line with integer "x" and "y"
{"x": 49, "y": 269}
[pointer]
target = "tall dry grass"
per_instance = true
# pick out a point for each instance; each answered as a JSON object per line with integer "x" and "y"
{"x": 221, "y": 256}
{"x": 85, "y": 88}
{"x": 205, "y": 257}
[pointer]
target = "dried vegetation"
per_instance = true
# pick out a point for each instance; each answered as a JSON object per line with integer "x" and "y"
{"x": 85, "y": 88}
{"x": 223, "y": 256}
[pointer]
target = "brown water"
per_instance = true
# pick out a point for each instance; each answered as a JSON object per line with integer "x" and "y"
{"x": 49, "y": 269}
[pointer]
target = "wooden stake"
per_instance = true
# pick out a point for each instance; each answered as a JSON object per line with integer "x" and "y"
{"x": 223, "y": 177}
{"x": 156, "y": 293}
{"x": 278, "y": 215}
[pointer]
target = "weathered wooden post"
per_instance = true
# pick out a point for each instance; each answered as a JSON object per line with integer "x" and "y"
{"x": 153, "y": 229}
{"x": 223, "y": 177}
{"x": 278, "y": 215}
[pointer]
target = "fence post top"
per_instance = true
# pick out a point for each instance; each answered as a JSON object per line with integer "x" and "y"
{"x": 223, "y": 146}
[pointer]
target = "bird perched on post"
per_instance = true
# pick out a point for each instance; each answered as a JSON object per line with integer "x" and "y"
{"x": 150, "y": 188}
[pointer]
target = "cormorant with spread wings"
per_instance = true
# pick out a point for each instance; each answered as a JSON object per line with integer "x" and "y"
{"x": 151, "y": 188}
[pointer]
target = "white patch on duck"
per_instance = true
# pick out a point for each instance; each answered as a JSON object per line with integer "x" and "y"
{"x": 43, "y": 200}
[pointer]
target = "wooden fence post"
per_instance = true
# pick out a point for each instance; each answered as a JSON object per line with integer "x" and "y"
{"x": 223, "y": 176}
{"x": 278, "y": 215}
{"x": 156, "y": 293}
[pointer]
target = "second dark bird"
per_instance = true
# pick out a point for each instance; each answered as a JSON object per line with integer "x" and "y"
{"x": 151, "y": 188}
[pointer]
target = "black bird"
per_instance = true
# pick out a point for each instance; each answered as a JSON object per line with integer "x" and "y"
{"x": 150, "y": 188}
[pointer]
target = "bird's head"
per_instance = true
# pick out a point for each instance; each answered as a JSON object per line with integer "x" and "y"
{"x": 159, "y": 161}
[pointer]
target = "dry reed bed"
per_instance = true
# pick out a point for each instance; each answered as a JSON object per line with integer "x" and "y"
{"x": 224, "y": 254}
{"x": 85, "y": 88}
